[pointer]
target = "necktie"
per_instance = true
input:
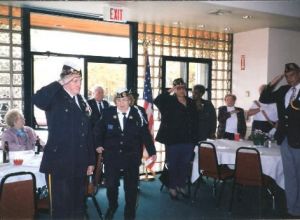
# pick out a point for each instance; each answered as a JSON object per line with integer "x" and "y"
{"x": 293, "y": 95}
{"x": 76, "y": 102}
{"x": 100, "y": 107}
{"x": 124, "y": 120}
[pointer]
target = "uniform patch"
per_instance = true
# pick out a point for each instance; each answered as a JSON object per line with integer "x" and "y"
{"x": 110, "y": 127}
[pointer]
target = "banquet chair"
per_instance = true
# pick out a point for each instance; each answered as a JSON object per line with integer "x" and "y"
{"x": 18, "y": 199}
{"x": 248, "y": 172}
{"x": 93, "y": 184}
{"x": 209, "y": 167}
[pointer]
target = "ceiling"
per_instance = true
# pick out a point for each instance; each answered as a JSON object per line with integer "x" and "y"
{"x": 214, "y": 15}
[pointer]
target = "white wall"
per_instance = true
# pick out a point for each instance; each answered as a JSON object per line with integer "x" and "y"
{"x": 245, "y": 83}
{"x": 266, "y": 51}
{"x": 284, "y": 47}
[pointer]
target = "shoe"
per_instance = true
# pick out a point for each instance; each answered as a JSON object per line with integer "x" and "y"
{"x": 173, "y": 194}
{"x": 182, "y": 192}
{"x": 109, "y": 214}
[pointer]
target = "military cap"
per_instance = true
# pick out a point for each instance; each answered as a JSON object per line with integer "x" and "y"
{"x": 178, "y": 81}
{"x": 291, "y": 67}
{"x": 70, "y": 68}
{"x": 121, "y": 93}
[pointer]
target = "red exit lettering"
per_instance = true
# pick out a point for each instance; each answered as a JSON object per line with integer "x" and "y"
{"x": 116, "y": 14}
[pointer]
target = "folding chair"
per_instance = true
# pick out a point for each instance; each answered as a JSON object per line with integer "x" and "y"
{"x": 248, "y": 172}
{"x": 209, "y": 167}
{"x": 93, "y": 184}
{"x": 18, "y": 199}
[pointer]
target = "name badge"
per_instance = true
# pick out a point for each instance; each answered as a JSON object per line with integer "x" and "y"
{"x": 110, "y": 127}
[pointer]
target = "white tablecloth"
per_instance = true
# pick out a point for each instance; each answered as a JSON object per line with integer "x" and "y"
{"x": 31, "y": 163}
{"x": 270, "y": 158}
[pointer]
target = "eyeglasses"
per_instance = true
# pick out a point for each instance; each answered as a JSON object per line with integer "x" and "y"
{"x": 180, "y": 87}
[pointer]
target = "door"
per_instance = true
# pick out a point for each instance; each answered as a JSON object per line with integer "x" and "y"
{"x": 110, "y": 76}
{"x": 193, "y": 71}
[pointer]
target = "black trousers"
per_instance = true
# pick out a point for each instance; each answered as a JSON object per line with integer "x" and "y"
{"x": 68, "y": 197}
{"x": 131, "y": 177}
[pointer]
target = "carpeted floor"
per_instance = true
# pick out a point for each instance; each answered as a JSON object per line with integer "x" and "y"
{"x": 155, "y": 204}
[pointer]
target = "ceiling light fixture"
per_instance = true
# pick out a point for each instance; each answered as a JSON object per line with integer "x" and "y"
{"x": 219, "y": 12}
{"x": 227, "y": 29}
{"x": 177, "y": 23}
{"x": 247, "y": 17}
{"x": 201, "y": 26}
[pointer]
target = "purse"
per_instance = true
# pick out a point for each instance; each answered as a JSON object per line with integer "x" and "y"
{"x": 164, "y": 176}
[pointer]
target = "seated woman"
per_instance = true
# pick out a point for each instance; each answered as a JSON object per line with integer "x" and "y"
{"x": 18, "y": 136}
{"x": 231, "y": 119}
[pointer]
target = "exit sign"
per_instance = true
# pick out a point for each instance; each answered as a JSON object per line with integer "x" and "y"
{"x": 116, "y": 14}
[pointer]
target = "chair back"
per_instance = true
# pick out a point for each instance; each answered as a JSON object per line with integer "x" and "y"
{"x": 18, "y": 199}
{"x": 248, "y": 169}
{"x": 208, "y": 162}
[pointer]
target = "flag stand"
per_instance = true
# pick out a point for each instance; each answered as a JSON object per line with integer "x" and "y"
{"x": 147, "y": 176}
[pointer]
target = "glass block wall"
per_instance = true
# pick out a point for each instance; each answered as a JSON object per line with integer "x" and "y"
{"x": 11, "y": 75}
{"x": 184, "y": 42}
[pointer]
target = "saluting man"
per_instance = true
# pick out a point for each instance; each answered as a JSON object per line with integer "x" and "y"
{"x": 120, "y": 134}
{"x": 69, "y": 155}
{"x": 287, "y": 98}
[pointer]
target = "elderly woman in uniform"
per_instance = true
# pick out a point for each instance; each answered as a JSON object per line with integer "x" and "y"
{"x": 120, "y": 134}
{"x": 178, "y": 131}
{"x": 18, "y": 136}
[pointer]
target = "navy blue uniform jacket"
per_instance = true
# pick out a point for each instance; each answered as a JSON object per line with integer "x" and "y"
{"x": 69, "y": 149}
{"x": 96, "y": 114}
{"x": 289, "y": 118}
{"x": 122, "y": 146}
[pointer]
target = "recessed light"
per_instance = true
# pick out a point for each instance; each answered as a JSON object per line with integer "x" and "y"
{"x": 201, "y": 26}
{"x": 219, "y": 12}
{"x": 227, "y": 29}
{"x": 247, "y": 17}
{"x": 177, "y": 23}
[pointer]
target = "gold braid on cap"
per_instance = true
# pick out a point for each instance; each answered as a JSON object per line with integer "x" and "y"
{"x": 293, "y": 106}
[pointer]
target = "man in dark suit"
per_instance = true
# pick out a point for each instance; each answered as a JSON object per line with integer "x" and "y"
{"x": 69, "y": 155}
{"x": 207, "y": 117}
{"x": 287, "y": 98}
{"x": 231, "y": 119}
{"x": 120, "y": 134}
{"x": 97, "y": 104}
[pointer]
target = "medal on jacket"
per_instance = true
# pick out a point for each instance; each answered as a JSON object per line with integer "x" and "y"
{"x": 294, "y": 106}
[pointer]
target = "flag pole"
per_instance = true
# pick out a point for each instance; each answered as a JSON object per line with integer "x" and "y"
{"x": 146, "y": 176}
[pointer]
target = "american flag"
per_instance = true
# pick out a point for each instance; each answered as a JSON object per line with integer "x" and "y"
{"x": 147, "y": 96}
{"x": 148, "y": 103}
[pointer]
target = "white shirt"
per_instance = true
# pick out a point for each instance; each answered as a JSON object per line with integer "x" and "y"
{"x": 120, "y": 117}
{"x": 231, "y": 123}
{"x": 72, "y": 96}
{"x": 289, "y": 93}
{"x": 270, "y": 109}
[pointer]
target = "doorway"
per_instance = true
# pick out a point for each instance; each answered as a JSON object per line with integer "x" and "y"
{"x": 110, "y": 76}
{"x": 193, "y": 71}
